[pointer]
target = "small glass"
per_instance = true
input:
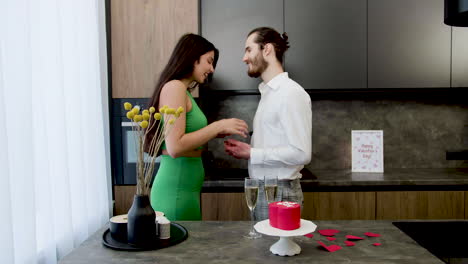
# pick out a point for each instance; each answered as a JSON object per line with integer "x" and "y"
{"x": 251, "y": 196}
{"x": 271, "y": 188}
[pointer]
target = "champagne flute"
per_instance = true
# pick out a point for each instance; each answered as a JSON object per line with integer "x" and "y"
{"x": 271, "y": 187}
{"x": 251, "y": 195}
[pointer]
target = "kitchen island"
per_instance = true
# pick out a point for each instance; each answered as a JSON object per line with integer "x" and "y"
{"x": 223, "y": 242}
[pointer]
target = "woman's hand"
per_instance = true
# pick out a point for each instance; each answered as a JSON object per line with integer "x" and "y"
{"x": 232, "y": 126}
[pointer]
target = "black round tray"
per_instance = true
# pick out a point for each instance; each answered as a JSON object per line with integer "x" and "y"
{"x": 178, "y": 234}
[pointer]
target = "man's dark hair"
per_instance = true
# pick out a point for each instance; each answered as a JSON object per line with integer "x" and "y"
{"x": 267, "y": 35}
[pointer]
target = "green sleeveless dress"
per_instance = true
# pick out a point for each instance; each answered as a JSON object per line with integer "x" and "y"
{"x": 176, "y": 188}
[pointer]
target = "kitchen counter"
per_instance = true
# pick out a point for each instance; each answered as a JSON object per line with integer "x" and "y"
{"x": 222, "y": 242}
{"x": 231, "y": 180}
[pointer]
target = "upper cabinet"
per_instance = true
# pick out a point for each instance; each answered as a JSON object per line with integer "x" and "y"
{"x": 459, "y": 57}
{"x": 144, "y": 34}
{"x": 328, "y": 43}
{"x": 335, "y": 44}
{"x": 408, "y": 44}
{"x": 226, "y": 24}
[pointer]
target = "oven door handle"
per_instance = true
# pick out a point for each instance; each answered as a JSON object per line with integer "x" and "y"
{"x": 128, "y": 124}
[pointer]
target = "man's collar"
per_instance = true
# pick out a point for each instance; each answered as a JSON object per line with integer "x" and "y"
{"x": 274, "y": 83}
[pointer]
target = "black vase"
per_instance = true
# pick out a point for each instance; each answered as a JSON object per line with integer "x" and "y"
{"x": 141, "y": 226}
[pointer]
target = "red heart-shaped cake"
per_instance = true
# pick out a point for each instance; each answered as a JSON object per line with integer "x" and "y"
{"x": 285, "y": 215}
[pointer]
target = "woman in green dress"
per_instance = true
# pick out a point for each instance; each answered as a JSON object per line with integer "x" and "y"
{"x": 176, "y": 188}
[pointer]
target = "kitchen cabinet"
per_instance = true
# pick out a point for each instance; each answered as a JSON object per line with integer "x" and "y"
{"x": 408, "y": 44}
{"x": 459, "y": 57}
{"x": 224, "y": 207}
{"x": 339, "y": 44}
{"x": 123, "y": 198}
{"x": 318, "y": 206}
{"x": 420, "y": 205}
{"x": 339, "y": 205}
{"x": 328, "y": 43}
{"x": 381, "y": 205}
{"x": 143, "y": 35}
{"x": 226, "y": 24}
{"x": 466, "y": 204}
{"x": 215, "y": 206}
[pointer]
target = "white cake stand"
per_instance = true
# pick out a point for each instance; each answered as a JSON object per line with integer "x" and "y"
{"x": 285, "y": 246}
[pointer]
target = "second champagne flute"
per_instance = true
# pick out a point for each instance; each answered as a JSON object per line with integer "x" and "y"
{"x": 271, "y": 187}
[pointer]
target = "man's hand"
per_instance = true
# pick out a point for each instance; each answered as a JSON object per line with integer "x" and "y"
{"x": 237, "y": 149}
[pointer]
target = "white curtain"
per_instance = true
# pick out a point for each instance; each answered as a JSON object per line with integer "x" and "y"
{"x": 54, "y": 132}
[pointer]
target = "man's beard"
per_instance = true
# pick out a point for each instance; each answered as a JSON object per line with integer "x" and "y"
{"x": 258, "y": 66}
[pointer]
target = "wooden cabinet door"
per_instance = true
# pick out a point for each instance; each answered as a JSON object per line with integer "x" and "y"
{"x": 224, "y": 207}
{"x": 408, "y": 44}
{"x": 466, "y": 205}
{"x": 226, "y": 24}
{"x": 143, "y": 35}
{"x": 328, "y": 41}
{"x": 339, "y": 206}
{"x": 459, "y": 57}
{"x": 420, "y": 205}
{"x": 123, "y": 198}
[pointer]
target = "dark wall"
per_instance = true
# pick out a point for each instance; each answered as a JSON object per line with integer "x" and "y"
{"x": 417, "y": 133}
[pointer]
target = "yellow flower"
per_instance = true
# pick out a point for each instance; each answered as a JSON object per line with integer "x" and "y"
{"x": 177, "y": 114}
{"x": 162, "y": 110}
{"x": 136, "y": 110}
{"x": 157, "y": 116}
{"x": 171, "y": 121}
{"x": 145, "y": 116}
{"x": 127, "y": 106}
{"x": 180, "y": 110}
{"x": 170, "y": 111}
{"x": 145, "y": 111}
{"x": 137, "y": 118}
{"x": 144, "y": 124}
{"x": 152, "y": 110}
{"x": 130, "y": 114}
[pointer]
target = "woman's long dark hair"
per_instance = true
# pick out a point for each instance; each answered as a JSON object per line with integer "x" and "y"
{"x": 188, "y": 50}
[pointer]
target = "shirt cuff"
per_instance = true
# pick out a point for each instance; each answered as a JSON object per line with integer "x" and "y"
{"x": 256, "y": 156}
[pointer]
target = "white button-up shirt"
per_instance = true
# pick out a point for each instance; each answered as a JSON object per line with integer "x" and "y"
{"x": 281, "y": 143}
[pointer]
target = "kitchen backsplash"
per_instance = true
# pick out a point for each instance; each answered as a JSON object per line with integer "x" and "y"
{"x": 417, "y": 134}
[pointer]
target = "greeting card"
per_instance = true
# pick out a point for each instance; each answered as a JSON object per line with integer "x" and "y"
{"x": 367, "y": 150}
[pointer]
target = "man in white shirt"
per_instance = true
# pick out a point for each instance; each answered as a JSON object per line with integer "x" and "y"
{"x": 281, "y": 143}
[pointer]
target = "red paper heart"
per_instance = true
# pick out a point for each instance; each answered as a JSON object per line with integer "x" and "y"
{"x": 353, "y": 237}
{"x": 331, "y": 238}
{"x": 377, "y": 244}
{"x": 330, "y": 248}
{"x": 349, "y": 243}
{"x": 310, "y": 235}
{"x": 369, "y": 234}
{"x": 328, "y": 232}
